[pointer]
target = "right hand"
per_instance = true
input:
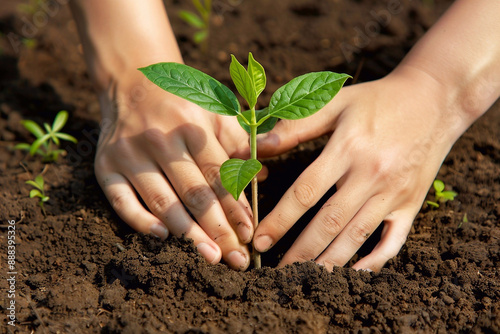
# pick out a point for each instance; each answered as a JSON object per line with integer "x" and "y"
{"x": 167, "y": 152}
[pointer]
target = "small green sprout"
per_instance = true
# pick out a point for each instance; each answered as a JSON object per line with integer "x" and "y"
{"x": 299, "y": 98}
{"x": 464, "y": 220}
{"x": 46, "y": 141}
{"x": 200, "y": 21}
{"x": 441, "y": 195}
{"x": 38, "y": 191}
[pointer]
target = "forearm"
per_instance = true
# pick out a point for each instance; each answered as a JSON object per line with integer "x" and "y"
{"x": 461, "y": 54}
{"x": 120, "y": 36}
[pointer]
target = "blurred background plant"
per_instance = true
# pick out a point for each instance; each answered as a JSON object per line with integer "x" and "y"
{"x": 47, "y": 143}
{"x": 200, "y": 20}
{"x": 38, "y": 191}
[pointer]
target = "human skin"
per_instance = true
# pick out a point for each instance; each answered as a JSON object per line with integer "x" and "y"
{"x": 388, "y": 139}
{"x": 153, "y": 145}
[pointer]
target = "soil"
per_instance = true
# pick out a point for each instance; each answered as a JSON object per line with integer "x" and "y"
{"x": 81, "y": 270}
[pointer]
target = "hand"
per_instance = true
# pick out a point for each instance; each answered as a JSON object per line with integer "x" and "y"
{"x": 167, "y": 152}
{"x": 389, "y": 139}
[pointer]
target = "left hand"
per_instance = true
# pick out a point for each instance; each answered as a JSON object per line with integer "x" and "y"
{"x": 389, "y": 140}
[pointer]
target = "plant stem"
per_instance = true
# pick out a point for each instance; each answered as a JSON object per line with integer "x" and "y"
{"x": 255, "y": 194}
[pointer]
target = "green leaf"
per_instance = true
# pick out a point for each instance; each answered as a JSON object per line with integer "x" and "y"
{"x": 55, "y": 139}
{"x": 60, "y": 120}
{"x": 39, "y": 181}
{"x": 37, "y": 143}
{"x": 200, "y": 36}
{"x": 236, "y": 174}
{"x": 438, "y": 185}
{"x": 45, "y": 198}
{"x": 33, "y": 183}
{"x": 65, "y": 136}
{"x": 194, "y": 86}
{"x": 34, "y": 128}
{"x": 35, "y": 193}
{"x": 267, "y": 126}
{"x": 448, "y": 195}
{"x": 257, "y": 74}
{"x": 47, "y": 127}
{"x": 433, "y": 204}
{"x": 201, "y": 8}
{"x": 242, "y": 81}
{"x": 306, "y": 94}
{"x": 22, "y": 146}
{"x": 192, "y": 19}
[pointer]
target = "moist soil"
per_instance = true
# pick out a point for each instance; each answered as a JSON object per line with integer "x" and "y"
{"x": 82, "y": 270}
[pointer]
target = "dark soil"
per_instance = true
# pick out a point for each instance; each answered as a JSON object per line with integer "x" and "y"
{"x": 81, "y": 270}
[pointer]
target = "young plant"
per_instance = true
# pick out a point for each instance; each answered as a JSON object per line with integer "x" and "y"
{"x": 441, "y": 195}
{"x": 299, "y": 98}
{"x": 38, "y": 191}
{"x": 199, "y": 20}
{"x": 47, "y": 143}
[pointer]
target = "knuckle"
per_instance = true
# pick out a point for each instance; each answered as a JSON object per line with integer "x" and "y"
{"x": 159, "y": 203}
{"x": 333, "y": 222}
{"x": 199, "y": 197}
{"x": 222, "y": 236}
{"x": 212, "y": 175}
{"x": 119, "y": 201}
{"x": 155, "y": 138}
{"x": 360, "y": 233}
{"x": 305, "y": 195}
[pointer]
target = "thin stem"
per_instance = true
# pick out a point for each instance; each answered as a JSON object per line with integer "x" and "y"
{"x": 255, "y": 194}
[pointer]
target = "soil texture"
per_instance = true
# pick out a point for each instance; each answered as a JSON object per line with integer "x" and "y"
{"x": 82, "y": 270}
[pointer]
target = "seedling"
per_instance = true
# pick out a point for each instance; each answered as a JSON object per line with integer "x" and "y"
{"x": 38, "y": 191}
{"x": 47, "y": 143}
{"x": 464, "y": 220}
{"x": 200, "y": 21}
{"x": 299, "y": 98}
{"x": 441, "y": 195}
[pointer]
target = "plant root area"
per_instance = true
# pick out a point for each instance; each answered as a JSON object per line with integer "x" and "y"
{"x": 80, "y": 269}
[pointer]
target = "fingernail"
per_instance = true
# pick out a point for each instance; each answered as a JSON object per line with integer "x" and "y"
{"x": 159, "y": 230}
{"x": 262, "y": 243}
{"x": 244, "y": 233}
{"x": 208, "y": 252}
{"x": 238, "y": 259}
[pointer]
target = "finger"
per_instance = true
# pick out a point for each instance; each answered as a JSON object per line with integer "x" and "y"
{"x": 289, "y": 133}
{"x": 357, "y": 231}
{"x": 209, "y": 158}
{"x": 202, "y": 202}
{"x": 329, "y": 222}
{"x": 124, "y": 201}
{"x": 192, "y": 188}
{"x": 394, "y": 234}
{"x": 160, "y": 198}
{"x": 305, "y": 192}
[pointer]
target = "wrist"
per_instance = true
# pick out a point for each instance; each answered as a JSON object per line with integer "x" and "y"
{"x": 456, "y": 106}
{"x": 119, "y": 38}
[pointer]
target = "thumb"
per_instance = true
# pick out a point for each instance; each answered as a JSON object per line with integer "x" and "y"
{"x": 289, "y": 133}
